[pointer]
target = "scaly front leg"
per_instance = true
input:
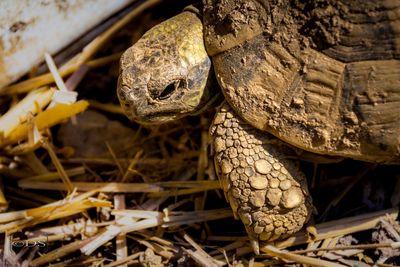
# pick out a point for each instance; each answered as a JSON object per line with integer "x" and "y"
{"x": 265, "y": 189}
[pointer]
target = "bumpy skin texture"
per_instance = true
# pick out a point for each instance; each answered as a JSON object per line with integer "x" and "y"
{"x": 165, "y": 75}
{"x": 323, "y": 76}
{"x": 265, "y": 190}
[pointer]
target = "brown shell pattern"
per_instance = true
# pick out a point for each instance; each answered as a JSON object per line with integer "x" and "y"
{"x": 323, "y": 76}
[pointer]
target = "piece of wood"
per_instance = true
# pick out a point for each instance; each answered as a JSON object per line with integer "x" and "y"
{"x": 31, "y": 28}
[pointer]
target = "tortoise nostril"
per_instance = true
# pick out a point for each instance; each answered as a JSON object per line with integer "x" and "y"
{"x": 170, "y": 89}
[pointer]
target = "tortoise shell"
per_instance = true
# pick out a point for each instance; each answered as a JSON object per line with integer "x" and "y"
{"x": 323, "y": 76}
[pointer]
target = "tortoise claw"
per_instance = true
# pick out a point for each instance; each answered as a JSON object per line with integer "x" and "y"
{"x": 255, "y": 246}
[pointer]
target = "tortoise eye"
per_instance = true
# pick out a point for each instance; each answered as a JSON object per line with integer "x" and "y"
{"x": 171, "y": 88}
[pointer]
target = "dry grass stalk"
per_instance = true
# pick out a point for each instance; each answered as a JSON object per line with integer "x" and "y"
{"x": 136, "y": 214}
{"x": 87, "y": 186}
{"x": 189, "y": 184}
{"x": 33, "y": 103}
{"x": 54, "y": 72}
{"x": 55, "y": 210}
{"x": 114, "y": 157}
{"x": 339, "y": 227}
{"x": 288, "y": 256}
{"x": 232, "y": 246}
{"x": 23, "y": 194}
{"x": 60, "y": 252}
{"x": 121, "y": 244}
{"x": 45, "y": 214}
{"x": 168, "y": 245}
{"x": 151, "y": 162}
{"x": 362, "y": 246}
{"x": 79, "y": 261}
{"x": 34, "y": 163}
{"x": 45, "y": 120}
{"x": 47, "y": 78}
{"x": 97, "y": 241}
{"x": 128, "y": 224}
{"x": 76, "y": 77}
{"x": 84, "y": 227}
{"x": 227, "y": 238}
{"x": 155, "y": 189}
{"x": 181, "y": 192}
{"x": 49, "y": 238}
{"x": 123, "y": 262}
{"x": 8, "y": 254}
{"x": 168, "y": 219}
{"x": 63, "y": 95}
{"x": 202, "y": 162}
{"x": 31, "y": 145}
{"x": 200, "y": 259}
{"x": 192, "y": 188}
{"x": 110, "y": 108}
{"x": 163, "y": 251}
{"x": 3, "y": 201}
{"x": 12, "y": 172}
{"x": 49, "y": 176}
{"x": 325, "y": 244}
{"x": 60, "y": 169}
{"x": 389, "y": 227}
{"x": 199, "y": 255}
{"x": 131, "y": 166}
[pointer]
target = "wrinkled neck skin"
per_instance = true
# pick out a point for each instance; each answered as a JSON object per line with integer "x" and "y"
{"x": 167, "y": 74}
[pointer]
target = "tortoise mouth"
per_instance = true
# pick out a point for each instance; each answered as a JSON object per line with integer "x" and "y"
{"x": 150, "y": 104}
{"x": 155, "y": 112}
{"x": 175, "y": 101}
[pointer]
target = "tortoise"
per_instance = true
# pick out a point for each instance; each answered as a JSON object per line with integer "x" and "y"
{"x": 320, "y": 76}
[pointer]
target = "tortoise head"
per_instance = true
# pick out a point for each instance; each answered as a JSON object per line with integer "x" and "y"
{"x": 166, "y": 74}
